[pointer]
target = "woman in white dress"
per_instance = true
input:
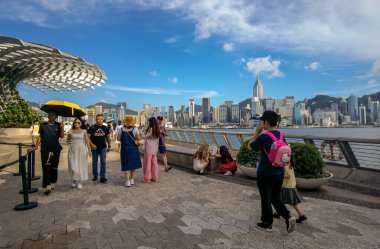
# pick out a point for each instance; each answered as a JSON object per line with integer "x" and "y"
{"x": 79, "y": 147}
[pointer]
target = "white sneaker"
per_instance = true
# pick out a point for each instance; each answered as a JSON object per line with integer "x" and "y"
{"x": 228, "y": 173}
{"x": 127, "y": 183}
{"x": 52, "y": 186}
{"x": 74, "y": 184}
{"x": 47, "y": 190}
{"x": 80, "y": 185}
{"x": 132, "y": 182}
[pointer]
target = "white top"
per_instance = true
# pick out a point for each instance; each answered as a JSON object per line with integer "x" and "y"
{"x": 135, "y": 131}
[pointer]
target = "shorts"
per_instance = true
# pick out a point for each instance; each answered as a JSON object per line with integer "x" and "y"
{"x": 162, "y": 149}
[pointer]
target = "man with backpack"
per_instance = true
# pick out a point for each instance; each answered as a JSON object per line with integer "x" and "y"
{"x": 275, "y": 154}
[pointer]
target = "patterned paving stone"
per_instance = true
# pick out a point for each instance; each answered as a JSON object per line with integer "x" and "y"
{"x": 181, "y": 211}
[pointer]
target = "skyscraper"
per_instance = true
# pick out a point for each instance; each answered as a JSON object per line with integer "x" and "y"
{"x": 122, "y": 104}
{"x": 206, "y": 110}
{"x": 362, "y": 114}
{"x": 191, "y": 108}
{"x": 235, "y": 114}
{"x": 352, "y": 104}
{"x": 223, "y": 114}
{"x": 258, "y": 90}
{"x": 171, "y": 115}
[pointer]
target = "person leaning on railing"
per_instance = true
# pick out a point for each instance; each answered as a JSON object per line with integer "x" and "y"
{"x": 50, "y": 132}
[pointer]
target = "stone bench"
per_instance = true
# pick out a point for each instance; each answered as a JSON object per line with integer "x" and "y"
{"x": 184, "y": 157}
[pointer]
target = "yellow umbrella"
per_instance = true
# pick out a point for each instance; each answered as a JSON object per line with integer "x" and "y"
{"x": 63, "y": 108}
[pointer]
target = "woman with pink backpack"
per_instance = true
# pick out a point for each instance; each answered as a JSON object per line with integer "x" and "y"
{"x": 275, "y": 154}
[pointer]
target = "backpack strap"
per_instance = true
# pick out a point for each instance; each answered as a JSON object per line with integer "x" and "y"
{"x": 274, "y": 138}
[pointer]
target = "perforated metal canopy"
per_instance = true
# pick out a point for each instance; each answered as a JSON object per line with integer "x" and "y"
{"x": 44, "y": 68}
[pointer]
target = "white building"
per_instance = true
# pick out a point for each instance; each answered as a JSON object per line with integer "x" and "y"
{"x": 325, "y": 117}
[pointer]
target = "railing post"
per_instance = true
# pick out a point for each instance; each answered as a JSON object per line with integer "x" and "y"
{"x": 19, "y": 163}
{"x": 178, "y": 136}
{"x": 203, "y": 138}
{"x": 187, "y": 139}
{"x": 349, "y": 154}
{"x": 171, "y": 135}
{"x": 26, "y": 205}
{"x": 240, "y": 138}
{"x": 195, "y": 139}
{"x": 227, "y": 141}
{"x": 34, "y": 177}
{"x": 29, "y": 179}
{"x": 214, "y": 139}
{"x": 308, "y": 141}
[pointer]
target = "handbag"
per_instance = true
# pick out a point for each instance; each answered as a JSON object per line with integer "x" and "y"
{"x": 137, "y": 143}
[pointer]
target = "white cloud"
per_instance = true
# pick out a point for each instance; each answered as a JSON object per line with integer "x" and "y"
{"x": 228, "y": 47}
{"x": 110, "y": 94}
{"x": 104, "y": 100}
{"x": 375, "y": 69}
{"x": 167, "y": 91}
{"x": 314, "y": 66}
{"x": 264, "y": 65}
{"x": 348, "y": 28}
{"x": 174, "y": 80}
{"x": 239, "y": 61}
{"x": 372, "y": 82}
{"x": 153, "y": 73}
{"x": 173, "y": 39}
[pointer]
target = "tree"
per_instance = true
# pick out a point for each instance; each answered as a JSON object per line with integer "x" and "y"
{"x": 18, "y": 115}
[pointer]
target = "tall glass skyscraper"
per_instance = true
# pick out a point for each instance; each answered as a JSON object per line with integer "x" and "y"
{"x": 206, "y": 110}
{"x": 258, "y": 89}
{"x": 353, "y": 107}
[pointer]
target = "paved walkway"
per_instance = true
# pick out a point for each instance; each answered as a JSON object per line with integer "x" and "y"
{"x": 180, "y": 211}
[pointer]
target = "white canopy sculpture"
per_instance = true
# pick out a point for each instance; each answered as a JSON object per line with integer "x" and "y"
{"x": 44, "y": 68}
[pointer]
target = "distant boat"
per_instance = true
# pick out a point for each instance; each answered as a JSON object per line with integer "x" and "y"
{"x": 168, "y": 125}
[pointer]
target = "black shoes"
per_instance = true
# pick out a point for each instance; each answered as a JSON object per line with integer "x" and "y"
{"x": 103, "y": 180}
{"x": 301, "y": 218}
{"x": 290, "y": 224}
{"x": 95, "y": 178}
{"x": 265, "y": 226}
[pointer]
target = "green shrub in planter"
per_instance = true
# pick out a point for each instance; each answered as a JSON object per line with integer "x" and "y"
{"x": 246, "y": 157}
{"x": 308, "y": 161}
{"x": 18, "y": 115}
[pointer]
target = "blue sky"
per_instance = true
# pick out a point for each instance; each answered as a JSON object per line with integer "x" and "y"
{"x": 165, "y": 52}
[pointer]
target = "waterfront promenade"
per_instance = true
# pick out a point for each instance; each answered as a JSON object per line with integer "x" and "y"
{"x": 182, "y": 210}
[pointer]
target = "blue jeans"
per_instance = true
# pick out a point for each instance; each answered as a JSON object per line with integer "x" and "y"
{"x": 95, "y": 155}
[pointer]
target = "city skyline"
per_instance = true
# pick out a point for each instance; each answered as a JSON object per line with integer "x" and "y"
{"x": 167, "y": 52}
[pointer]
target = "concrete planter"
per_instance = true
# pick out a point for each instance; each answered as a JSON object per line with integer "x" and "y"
{"x": 310, "y": 184}
{"x": 15, "y": 135}
{"x": 248, "y": 171}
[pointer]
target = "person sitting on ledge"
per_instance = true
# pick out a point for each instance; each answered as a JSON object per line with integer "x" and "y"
{"x": 227, "y": 163}
{"x": 201, "y": 159}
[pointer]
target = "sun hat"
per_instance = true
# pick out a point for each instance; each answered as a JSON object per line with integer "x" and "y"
{"x": 129, "y": 121}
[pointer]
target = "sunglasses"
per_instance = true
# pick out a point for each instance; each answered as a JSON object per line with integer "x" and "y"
{"x": 77, "y": 122}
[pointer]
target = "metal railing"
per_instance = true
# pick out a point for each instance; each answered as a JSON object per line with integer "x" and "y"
{"x": 341, "y": 151}
{"x": 26, "y": 169}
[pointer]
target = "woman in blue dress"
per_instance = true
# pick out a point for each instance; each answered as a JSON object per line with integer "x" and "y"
{"x": 129, "y": 151}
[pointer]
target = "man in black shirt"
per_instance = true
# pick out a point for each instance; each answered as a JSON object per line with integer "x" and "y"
{"x": 50, "y": 132}
{"x": 99, "y": 138}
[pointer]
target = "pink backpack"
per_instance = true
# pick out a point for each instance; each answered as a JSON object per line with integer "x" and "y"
{"x": 280, "y": 152}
